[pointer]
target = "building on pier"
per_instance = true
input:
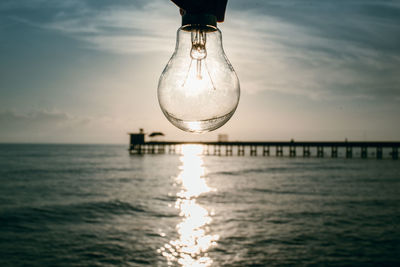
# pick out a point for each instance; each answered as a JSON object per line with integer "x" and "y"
{"x": 137, "y": 140}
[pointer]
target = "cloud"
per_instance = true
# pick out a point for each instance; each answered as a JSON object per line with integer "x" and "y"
{"x": 122, "y": 30}
{"x": 49, "y": 126}
{"x": 320, "y": 49}
{"x": 115, "y": 26}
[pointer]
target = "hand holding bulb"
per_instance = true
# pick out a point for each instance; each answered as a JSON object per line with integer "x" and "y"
{"x": 198, "y": 90}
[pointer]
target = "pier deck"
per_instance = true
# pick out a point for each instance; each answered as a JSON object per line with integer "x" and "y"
{"x": 333, "y": 149}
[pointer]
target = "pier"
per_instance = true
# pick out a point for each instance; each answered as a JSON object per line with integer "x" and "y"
{"x": 320, "y": 149}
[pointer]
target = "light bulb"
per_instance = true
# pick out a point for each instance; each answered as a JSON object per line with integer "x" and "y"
{"x": 198, "y": 90}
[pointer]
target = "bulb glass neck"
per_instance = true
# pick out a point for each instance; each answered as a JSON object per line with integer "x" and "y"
{"x": 200, "y": 20}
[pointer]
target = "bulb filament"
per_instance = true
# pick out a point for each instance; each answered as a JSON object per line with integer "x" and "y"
{"x": 198, "y": 53}
{"x": 199, "y": 69}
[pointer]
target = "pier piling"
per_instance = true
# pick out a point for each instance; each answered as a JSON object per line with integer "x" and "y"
{"x": 265, "y": 151}
{"x": 253, "y": 150}
{"x": 379, "y": 152}
{"x": 217, "y": 150}
{"x": 395, "y": 153}
{"x": 320, "y": 151}
{"x": 334, "y": 152}
{"x": 349, "y": 152}
{"x": 364, "y": 152}
{"x": 240, "y": 150}
{"x": 306, "y": 151}
{"x": 279, "y": 151}
{"x": 292, "y": 151}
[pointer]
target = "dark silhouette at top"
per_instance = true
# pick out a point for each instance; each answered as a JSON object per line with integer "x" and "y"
{"x": 213, "y": 7}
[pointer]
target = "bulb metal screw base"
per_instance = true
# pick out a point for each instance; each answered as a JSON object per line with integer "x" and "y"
{"x": 199, "y": 19}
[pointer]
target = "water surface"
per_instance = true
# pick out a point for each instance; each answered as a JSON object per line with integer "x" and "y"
{"x": 93, "y": 205}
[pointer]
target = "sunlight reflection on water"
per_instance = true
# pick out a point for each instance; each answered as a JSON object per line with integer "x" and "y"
{"x": 194, "y": 237}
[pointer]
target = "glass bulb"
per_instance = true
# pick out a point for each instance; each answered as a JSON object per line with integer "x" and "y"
{"x": 198, "y": 90}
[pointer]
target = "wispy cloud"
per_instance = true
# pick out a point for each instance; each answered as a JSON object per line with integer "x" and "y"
{"x": 319, "y": 49}
{"x": 57, "y": 126}
{"x": 316, "y": 48}
{"x": 118, "y": 27}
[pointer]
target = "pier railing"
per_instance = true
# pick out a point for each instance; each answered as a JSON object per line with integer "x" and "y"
{"x": 333, "y": 149}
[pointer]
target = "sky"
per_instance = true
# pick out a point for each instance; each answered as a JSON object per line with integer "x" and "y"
{"x": 86, "y": 71}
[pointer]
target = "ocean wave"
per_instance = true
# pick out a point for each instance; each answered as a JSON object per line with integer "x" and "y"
{"x": 54, "y": 171}
{"x": 77, "y": 212}
{"x": 283, "y": 192}
{"x": 253, "y": 170}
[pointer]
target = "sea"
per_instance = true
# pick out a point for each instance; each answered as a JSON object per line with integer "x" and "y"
{"x": 96, "y": 205}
